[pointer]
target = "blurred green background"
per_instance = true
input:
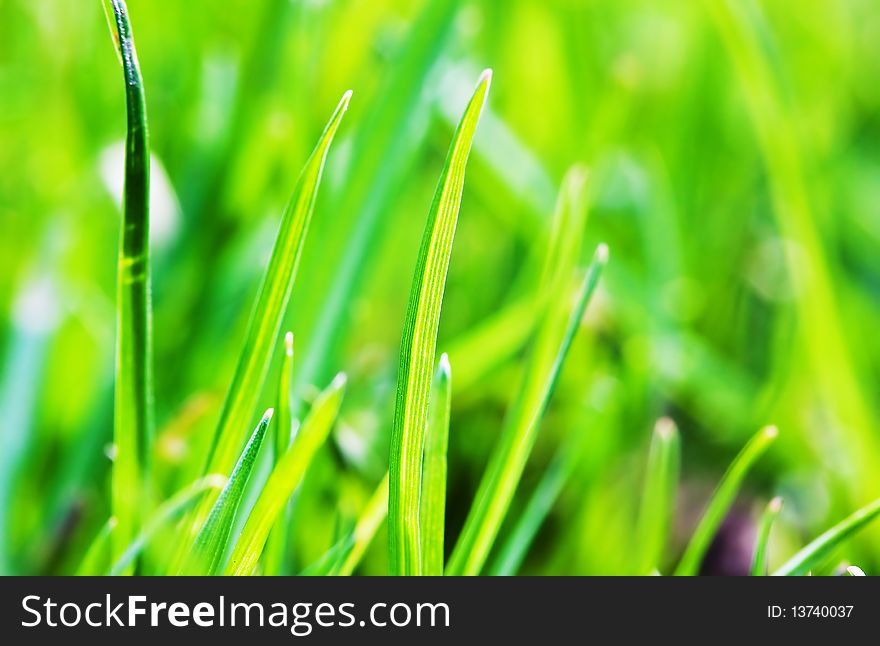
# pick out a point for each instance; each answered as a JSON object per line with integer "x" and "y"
{"x": 734, "y": 150}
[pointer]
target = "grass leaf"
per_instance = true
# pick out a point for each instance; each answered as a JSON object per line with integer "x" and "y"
{"x": 277, "y": 543}
{"x": 419, "y": 342}
{"x": 210, "y": 543}
{"x": 164, "y": 516}
{"x": 549, "y": 348}
{"x": 514, "y": 550}
{"x": 366, "y": 527}
{"x": 270, "y": 304}
{"x": 658, "y": 496}
{"x": 855, "y": 570}
{"x": 722, "y": 499}
{"x": 133, "y": 417}
{"x": 432, "y": 505}
{"x": 759, "y": 560}
{"x": 813, "y": 554}
{"x": 285, "y": 477}
{"x": 97, "y": 558}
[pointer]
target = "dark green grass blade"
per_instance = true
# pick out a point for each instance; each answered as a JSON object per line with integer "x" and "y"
{"x": 813, "y": 554}
{"x": 506, "y": 465}
{"x": 759, "y": 559}
{"x": 658, "y": 497}
{"x": 721, "y": 501}
{"x": 271, "y": 302}
{"x": 133, "y": 421}
{"x": 285, "y": 477}
{"x": 164, "y": 515}
{"x": 432, "y": 506}
{"x": 419, "y": 342}
{"x": 210, "y": 543}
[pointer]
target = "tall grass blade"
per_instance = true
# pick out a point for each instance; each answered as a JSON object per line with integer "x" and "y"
{"x": 855, "y": 570}
{"x": 658, "y": 496}
{"x": 210, "y": 543}
{"x": 366, "y": 527}
{"x": 285, "y": 477}
{"x": 133, "y": 405}
{"x": 813, "y": 554}
{"x": 97, "y": 559}
{"x": 759, "y": 560}
{"x": 270, "y": 304}
{"x": 722, "y": 499}
{"x": 432, "y": 505}
{"x": 419, "y": 342}
{"x": 164, "y": 515}
{"x": 549, "y": 348}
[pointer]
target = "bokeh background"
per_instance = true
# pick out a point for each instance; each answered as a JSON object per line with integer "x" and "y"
{"x": 734, "y": 150}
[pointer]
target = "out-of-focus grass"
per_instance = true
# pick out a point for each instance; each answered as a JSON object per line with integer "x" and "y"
{"x": 734, "y": 156}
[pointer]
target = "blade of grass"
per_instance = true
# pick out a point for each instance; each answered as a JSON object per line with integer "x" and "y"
{"x": 812, "y": 555}
{"x": 133, "y": 405}
{"x": 759, "y": 561}
{"x": 432, "y": 505}
{"x": 658, "y": 496}
{"x": 383, "y": 152}
{"x": 97, "y": 558}
{"x": 277, "y": 543}
{"x": 285, "y": 477}
{"x": 514, "y": 550}
{"x": 366, "y": 527}
{"x": 549, "y": 348}
{"x": 722, "y": 499}
{"x": 855, "y": 570}
{"x": 270, "y": 304}
{"x": 210, "y": 543}
{"x": 164, "y": 516}
{"x": 419, "y": 342}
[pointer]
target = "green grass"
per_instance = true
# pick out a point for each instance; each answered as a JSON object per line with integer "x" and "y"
{"x": 432, "y": 499}
{"x": 133, "y": 421}
{"x": 658, "y": 497}
{"x": 419, "y": 345}
{"x": 759, "y": 560}
{"x": 285, "y": 477}
{"x": 151, "y": 287}
{"x": 209, "y": 547}
{"x": 822, "y": 546}
{"x": 722, "y": 499}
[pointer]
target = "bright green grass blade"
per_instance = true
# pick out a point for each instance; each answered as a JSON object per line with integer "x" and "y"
{"x": 133, "y": 418}
{"x": 759, "y": 560}
{"x": 209, "y": 546}
{"x": 285, "y": 477}
{"x": 514, "y": 550}
{"x": 658, "y": 496}
{"x": 855, "y": 570}
{"x": 419, "y": 342}
{"x": 97, "y": 558}
{"x": 553, "y": 339}
{"x": 813, "y": 554}
{"x": 270, "y": 304}
{"x": 277, "y": 543}
{"x": 384, "y": 150}
{"x": 164, "y": 516}
{"x": 722, "y": 499}
{"x": 366, "y": 527}
{"x": 432, "y": 505}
